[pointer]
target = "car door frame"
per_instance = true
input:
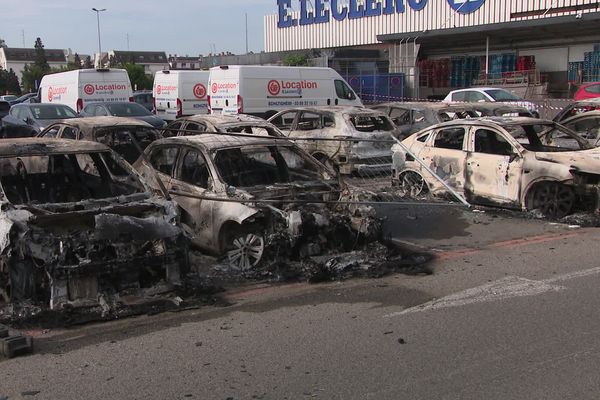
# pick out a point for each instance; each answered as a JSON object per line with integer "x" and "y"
{"x": 500, "y": 181}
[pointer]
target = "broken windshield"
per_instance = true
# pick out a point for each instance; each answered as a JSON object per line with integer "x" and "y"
{"x": 370, "y": 123}
{"x": 264, "y": 165}
{"x": 551, "y": 138}
{"x": 66, "y": 178}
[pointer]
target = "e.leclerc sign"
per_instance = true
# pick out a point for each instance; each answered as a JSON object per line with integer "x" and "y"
{"x": 353, "y": 10}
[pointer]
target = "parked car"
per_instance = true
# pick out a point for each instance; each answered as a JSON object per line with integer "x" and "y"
{"x": 588, "y": 91}
{"x": 26, "y": 98}
{"x": 522, "y": 163}
{"x": 576, "y": 108}
{"x": 31, "y": 119}
{"x": 4, "y": 109}
{"x": 83, "y": 226}
{"x": 145, "y": 99}
{"x": 122, "y": 109}
{"x": 8, "y": 97}
{"x": 240, "y": 123}
{"x": 490, "y": 94}
{"x": 364, "y": 136}
{"x": 127, "y": 136}
{"x": 411, "y": 117}
{"x": 220, "y": 182}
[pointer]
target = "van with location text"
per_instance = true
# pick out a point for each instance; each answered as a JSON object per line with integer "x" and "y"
{"x": 180, "y": 93}
{"x": 83, "y": 86}
{"x": 264, "y": 90}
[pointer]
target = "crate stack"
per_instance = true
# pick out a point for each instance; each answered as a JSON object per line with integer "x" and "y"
{"x": 574, "y": 68}
{"x": 501, "y": 64}
{"x": 526, "y": 63}
{"x": 591, "y": 65}
{"x": 464, "y": 71}
{"x": 435, "y": 73}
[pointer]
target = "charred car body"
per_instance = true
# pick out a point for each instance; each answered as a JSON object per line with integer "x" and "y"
{"x": 253, "y": 197}
{"x": 577, "y": 108}
{"x": 239, "y": 123}
{"x": 127, "y": 136}
{"x": 411, "y": 117}
{"x": 351, "y": 139}
{"x": 78, "y": 225}
{"x": 522, "y": 163}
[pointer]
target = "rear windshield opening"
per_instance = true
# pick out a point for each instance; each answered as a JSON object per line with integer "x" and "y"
{"x": 65, "y": 178}
{"x": 371, "y": 123}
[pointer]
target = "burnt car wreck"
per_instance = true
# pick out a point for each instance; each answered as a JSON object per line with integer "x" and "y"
{"x": 78, "y": 226}
{"x": 255, "y": 199}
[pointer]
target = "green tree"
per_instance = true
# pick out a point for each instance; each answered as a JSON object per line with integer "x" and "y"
{"x": 295, "y": 60}
{"x": 31, "y": 77}
{"x": 88, "y": 63}
{"x": 40, "y": 56}
{"x": 12, "y": 83}
{"x": 137, "y": 76}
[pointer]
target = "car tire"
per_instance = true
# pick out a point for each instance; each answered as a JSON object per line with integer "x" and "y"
{"x": 552, "y": 199}
{"x": 243, "y": 248}
{"x": 411, "y": 184}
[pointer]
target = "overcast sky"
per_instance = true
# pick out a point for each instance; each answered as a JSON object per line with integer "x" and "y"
{"x": 174, "y": 26}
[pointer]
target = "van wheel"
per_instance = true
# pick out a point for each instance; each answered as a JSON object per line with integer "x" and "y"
{"x": 269, "y": 114}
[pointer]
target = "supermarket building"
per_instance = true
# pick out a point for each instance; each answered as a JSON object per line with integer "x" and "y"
{"x": 540, "y": 45}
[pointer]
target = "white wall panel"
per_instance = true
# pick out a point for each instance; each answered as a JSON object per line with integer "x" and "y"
{"x": 437, "y": 15}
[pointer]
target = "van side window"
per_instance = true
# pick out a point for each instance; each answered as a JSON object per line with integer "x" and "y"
{"x": 343, "y": 91}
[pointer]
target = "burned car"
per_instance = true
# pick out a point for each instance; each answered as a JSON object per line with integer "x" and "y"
{"x": 252, "y": 197}
{"x": 576, "y": 108}
{"x": 240, "y": 123}
{"x": 586, "y": 125}
{"x": 411, "y": 117}
{"x": 127, "y": 136}
{"x": 349, "y": 139}
{"x": 79, "y": 226}
{"x": 522, "y": 163}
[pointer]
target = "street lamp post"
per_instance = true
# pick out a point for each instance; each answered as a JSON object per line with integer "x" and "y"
{"x": 98, "y": 11}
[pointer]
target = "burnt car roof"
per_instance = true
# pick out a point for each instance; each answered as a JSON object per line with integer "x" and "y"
{"x": 223, "y": 119}
{"x": 87, "y": 123}
{"x": 42, "y": 146}
{"x": 214, "y": 141}
{"x": 594, "y": 113}
{"x": 501, "y": 121}
{"x": 337, "y": 109}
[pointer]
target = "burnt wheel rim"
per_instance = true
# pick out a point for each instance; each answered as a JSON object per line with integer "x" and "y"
{"x": 553, "y": 200}
{"x": 411, "y": 184}
{"x": 246, "y": 251}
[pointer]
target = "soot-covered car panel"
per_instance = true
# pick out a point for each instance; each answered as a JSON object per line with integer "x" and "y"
{"x": 78, "y": 226}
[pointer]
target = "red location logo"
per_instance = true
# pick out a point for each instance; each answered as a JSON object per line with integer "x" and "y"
{"x": 200, "y": 91}
{"x": 89, "y": 89}
{"x": 214, "y": 88}
{"x": 274, "y": 87}
{"x": 50, "y": 94}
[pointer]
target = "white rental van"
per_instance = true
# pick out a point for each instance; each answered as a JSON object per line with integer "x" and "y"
{"x": 180, "y": 93}
{"x": 82, "y": 86}
{"x": 264, "y": 90}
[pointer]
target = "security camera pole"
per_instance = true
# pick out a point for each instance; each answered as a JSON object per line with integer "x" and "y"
{"x": 98, "y": 11}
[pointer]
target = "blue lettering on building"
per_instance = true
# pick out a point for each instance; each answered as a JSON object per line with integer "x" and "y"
{"x": 466, "y": 6}
{"x": 354, "y": 10}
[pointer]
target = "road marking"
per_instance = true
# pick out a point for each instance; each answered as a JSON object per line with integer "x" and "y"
{"x": 506, "y": 244}
{"x": 505, "y": 288}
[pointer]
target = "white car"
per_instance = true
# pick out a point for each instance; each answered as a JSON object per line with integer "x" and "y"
{"x": 490, "y": 94}
{"x": 522, "y": 163}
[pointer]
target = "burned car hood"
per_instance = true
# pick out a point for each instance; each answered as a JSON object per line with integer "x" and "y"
{"x": 584, "y": 160}
{"x": 311, "y": 190}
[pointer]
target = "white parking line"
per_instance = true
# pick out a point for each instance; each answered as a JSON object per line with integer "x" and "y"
{"x": 505, "y": 288}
